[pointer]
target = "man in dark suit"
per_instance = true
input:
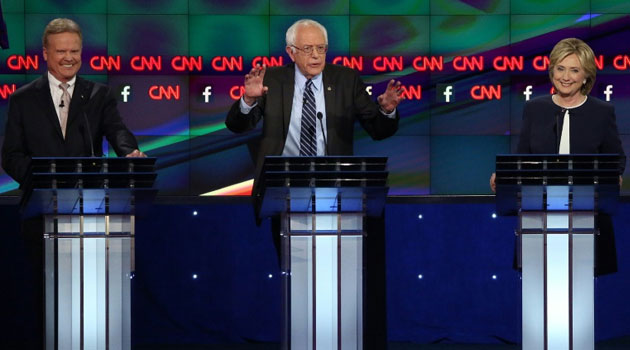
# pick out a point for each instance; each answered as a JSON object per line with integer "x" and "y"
{"x": 275, "y": 95}
{"x": 58, "y": 115}
{"x": 283, "y": 97}
{"x": 61, "y": 114}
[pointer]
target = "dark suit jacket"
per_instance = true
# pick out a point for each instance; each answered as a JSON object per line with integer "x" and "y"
{"x": 33, "y": 128}
{"x": 346, "y": 101}
{"x": 593, "y": 130}
{"x": 593, "y": 127}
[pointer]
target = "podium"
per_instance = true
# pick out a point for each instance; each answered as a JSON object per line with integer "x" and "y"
{"x": 323, "y": 203}
{"x": 557, "y": 198}
{"x": 88, "y": 207}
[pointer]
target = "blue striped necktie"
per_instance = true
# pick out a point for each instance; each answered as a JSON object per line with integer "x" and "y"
{"x": 308, "y": 136}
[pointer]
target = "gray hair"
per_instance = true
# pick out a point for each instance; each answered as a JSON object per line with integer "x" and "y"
{"x": 61, "y": 25}
{"x": 292, "y": 31}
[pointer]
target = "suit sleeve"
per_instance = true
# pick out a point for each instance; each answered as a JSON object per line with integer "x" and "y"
{"x": 117, "y": 134}
{"x": 611, "y": 142}
{"x": 238, "y": 122}
{"x": 526, "y": 129}
{"x": 15, "y": 157}
{"x": 377, "y": 125}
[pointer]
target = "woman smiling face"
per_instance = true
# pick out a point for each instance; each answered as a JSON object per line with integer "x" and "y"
{"x": 569, "y": 76}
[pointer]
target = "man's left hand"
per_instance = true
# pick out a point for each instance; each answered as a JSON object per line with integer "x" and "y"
{"x": 392, "y": 96}
{"x": 136, "y": 154}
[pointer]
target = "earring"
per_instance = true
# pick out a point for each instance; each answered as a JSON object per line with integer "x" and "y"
{"x": 584, "y": 82}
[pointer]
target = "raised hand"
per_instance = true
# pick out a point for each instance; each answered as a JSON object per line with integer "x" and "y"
{"x": 392, "y": 96}
{"x": 254, "y": 84}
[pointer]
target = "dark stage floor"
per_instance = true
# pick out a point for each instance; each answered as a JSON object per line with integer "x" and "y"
{"x": 613, "y": 344}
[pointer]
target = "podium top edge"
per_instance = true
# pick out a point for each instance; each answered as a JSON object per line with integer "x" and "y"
{"x": 559, "y": 156}
{"x": 374, "y": 159}
{"x": 136, "y": 160}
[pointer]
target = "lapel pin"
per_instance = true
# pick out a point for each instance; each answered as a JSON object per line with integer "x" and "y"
{"x": 329, "y": 88}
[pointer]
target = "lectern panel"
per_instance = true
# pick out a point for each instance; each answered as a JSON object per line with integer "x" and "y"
{"x": 532, "y": 220}
{"x": 533, "y": 286}
{"x": 301, "y": 291}
{"x": 351, "y": 292}
{"x": 326, "y": 292}
{"x": 583, "y": 220}
{"x": 94, "y": 297}
{"x": 558, "y": 291}
{"x": 557, "y": 197}
{"x": 583, "y": 292}
{"x": 326, "y": 222}
{"x": 532, "y": 198}
{"x": 557, "y": 221}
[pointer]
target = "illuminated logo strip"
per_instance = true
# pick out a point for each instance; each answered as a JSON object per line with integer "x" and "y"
{"x": 240, "y": 189}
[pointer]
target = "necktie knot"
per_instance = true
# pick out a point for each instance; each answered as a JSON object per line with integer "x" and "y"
{"x": 64, "y": 87}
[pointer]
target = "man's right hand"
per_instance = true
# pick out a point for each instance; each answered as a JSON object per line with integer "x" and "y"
{"x": 254, "y": 84}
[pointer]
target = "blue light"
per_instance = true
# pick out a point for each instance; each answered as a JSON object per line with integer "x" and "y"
{"x": 420, "y": 276}
{"x": 194, "y": 276}
{"x": 494, "y": 215}
{"x": 587, "y": 17}
{"x": 494, "y": 277}
{"x": 270, "y": 276}
{"x": 195, "y": 213}
{"x": 420, "y": 216}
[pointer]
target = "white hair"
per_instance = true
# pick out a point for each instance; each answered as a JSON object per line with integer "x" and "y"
{"x": 292, "y": 31}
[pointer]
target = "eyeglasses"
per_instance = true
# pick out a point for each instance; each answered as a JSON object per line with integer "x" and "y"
{"x": 321, "y": 49}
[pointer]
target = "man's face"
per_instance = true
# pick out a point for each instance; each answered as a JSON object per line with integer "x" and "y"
{"x": 63, "y": 55}
{"x": 309, "y": 64}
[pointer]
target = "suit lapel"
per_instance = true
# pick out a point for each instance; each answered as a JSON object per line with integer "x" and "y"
{"x": 287, "y": 98}
{"x": 329, "y": 99}
{"x": 81, "y": 90}
{"x": 45, "y": 100}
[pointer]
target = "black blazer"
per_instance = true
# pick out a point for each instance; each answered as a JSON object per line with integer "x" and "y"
{"x": 346, "y": 101}
{"x": 593, "y": 130}
{"x": 33, "y": 129}
{"x": 593, "y": 127}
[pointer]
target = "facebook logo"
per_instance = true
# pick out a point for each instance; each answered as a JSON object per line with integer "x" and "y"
{"x": 207, "y": 92}
{"x": 527, "y": 92}
{"x": 445, "y": 93}
{"x": 126, "y": 91}
{"x": 608, "y": 92}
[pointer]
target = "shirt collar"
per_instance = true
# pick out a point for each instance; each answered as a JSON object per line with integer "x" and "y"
{"x": 55, "y": 82}
{"x": 300, "y": 80}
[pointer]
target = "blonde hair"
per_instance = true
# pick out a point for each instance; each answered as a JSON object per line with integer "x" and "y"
{"x": 61, "y": 25}
{"x": 585, "y": 55}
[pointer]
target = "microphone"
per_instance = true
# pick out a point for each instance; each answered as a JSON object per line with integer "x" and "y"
{"x": 89, "y": 132}
{"x": 61, "y": 104}
{"x": 320, "y": 116}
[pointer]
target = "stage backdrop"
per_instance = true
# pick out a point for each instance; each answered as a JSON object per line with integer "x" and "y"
{"x": 467, "y": 68}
